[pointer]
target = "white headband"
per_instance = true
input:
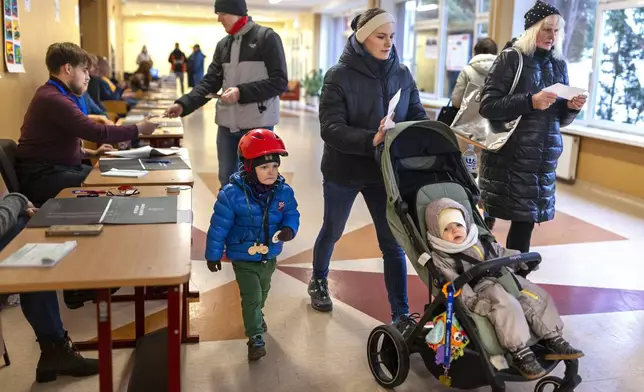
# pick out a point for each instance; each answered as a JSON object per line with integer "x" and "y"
{"x": 371, "y": 26}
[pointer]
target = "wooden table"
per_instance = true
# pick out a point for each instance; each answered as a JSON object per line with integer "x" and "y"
{"x": 159, "y": 104}
{"x": 165, "y": 137}
{"x": 154, "y": 177}
{"x": 120, "y": 256}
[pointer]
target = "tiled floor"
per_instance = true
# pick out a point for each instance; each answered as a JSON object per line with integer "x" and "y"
{"x": 592, "y": 267}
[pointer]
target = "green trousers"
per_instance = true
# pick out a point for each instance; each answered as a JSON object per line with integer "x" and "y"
{"x": 254, "y": 280}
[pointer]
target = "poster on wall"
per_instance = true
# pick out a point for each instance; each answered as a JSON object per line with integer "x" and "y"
{"x": 57, "y": 10}
{"x": 458, "y": 51}
{"x": 12, "y": 41}
{"x": 28, "y": 5}
{"x": 431, "y": 48}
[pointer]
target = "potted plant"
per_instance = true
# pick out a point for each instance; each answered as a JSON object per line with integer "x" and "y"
{"x": 312, "y": 84}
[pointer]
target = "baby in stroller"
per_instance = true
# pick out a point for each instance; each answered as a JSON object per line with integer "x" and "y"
{"x": 456, "y": 247}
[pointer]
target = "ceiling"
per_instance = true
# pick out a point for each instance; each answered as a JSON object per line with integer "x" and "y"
{"x": 261, "y": 10}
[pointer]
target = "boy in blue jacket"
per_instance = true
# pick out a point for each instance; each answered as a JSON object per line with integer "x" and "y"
{"x": 254, "y": 214}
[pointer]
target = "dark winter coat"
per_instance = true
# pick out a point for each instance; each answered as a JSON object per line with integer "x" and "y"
{"x": 355, "y": 97}
{"x": 518, "y": 182}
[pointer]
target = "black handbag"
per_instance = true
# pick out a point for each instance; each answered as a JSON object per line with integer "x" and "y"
{"x": 447, "y": 114}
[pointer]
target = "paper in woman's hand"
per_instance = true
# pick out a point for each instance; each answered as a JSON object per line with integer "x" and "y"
{"x": 564, "y": 91}
{"x": 389, "y": 123}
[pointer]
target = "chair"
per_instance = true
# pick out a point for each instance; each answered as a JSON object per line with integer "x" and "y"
{"x": 293, "y": 92}
{"x": 8, "y": 150}
{"x": 3, "y": 346}
{"x": 118, "y": 107}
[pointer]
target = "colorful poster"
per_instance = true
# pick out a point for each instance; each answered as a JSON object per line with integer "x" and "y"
{"x": 12, "y": 36}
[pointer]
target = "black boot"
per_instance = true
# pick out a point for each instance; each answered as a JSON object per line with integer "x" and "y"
{"x": 560, "y": 350}
{"x": 526, "y": 363}
{"x": 61, "y": 358}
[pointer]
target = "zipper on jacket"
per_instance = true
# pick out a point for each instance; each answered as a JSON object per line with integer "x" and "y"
{"x": 385, "y": 96}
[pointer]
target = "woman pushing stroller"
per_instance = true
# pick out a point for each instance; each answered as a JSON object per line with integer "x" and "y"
{"x": 456, "y": 247}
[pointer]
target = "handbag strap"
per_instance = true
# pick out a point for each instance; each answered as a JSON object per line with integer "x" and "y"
{"x": 517, "y": 76}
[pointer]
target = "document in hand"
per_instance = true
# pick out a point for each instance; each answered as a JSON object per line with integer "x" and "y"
{"x": 389, "y": 122}
{"x": 143, "y": 152}
{"x": 566, "y": 92}
{"x": 124, "y": 173}
{"x": 39, "y": 255}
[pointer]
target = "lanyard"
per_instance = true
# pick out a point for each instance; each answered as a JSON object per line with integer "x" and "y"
{"x": 80, "y": 102}
{"x": 448, "y": 326}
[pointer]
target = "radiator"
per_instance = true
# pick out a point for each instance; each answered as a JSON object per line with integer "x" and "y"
{"x": 567, "y": 166}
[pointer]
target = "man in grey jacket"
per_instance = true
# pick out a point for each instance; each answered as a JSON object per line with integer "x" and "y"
{"x": 58, "y": 356}
{"x": 250, "y": 66}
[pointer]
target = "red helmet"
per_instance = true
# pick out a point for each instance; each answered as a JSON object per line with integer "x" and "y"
{"x": 259, "y": 142}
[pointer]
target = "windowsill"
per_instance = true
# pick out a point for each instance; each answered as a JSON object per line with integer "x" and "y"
{"x": 606, "y": 135}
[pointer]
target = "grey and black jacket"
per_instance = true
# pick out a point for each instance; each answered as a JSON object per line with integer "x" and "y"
{"x": 253, "y": 61}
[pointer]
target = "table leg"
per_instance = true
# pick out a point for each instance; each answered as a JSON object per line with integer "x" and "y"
{"x": 103, "y": 316}
{"x": 185, "y": 315}
{"x": 139, "y": 312}
{"x": 174, "y": 339}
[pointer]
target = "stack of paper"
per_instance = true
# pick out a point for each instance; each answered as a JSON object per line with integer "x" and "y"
{"x": 124, "y": 173}
{"x": 39, "y": 255}
{"x": 143, "y": 152}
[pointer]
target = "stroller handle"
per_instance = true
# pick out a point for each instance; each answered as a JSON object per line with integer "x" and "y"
{"x": 481, "y": 269}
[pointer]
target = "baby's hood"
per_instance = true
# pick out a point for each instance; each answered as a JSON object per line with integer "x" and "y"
{"x": 434, "y": 209}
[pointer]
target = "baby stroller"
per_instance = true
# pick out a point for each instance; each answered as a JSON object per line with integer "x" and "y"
{"x": 421, "y": 162}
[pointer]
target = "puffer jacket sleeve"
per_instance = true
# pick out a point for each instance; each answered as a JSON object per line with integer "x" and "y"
{"x": 416, "y": 110}
{"x": 459, "y": 89}
{"x": 291, "y": 214}
{"x": 336, "y": 132}
{"x": 496, "y": 104}
{"x": 221, "y": 222}
{"x": 567, "y": 115}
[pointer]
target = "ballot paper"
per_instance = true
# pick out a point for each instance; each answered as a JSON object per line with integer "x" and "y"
{"x": 39, "y": 255}
{"x": 143, "y": 152}
{"x": 124, "y": 173}
{"x": 389, "y": 122}
{"x": 566, "y": 92}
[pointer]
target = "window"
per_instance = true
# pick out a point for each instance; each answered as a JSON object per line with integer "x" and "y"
{"x": 454, "y": 23}
{"x": 578, "y": 42}
{"x": 619, "y": 65}
{"x": 427, "y": 56}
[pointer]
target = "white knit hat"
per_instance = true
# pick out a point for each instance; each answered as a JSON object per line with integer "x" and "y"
{"x": 450, "y": 215}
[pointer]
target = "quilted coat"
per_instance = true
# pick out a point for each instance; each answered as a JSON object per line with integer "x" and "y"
{"x": 518, "y": 181}
{"x": 355, "y": 97}
{"x": 243, "y": 217}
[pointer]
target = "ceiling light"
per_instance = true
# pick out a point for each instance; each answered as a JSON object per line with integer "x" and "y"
{"x": 427, "y": 7}
{"x": 274, "y": 1}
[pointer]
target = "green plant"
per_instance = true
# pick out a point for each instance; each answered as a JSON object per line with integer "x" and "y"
{"x": 312, "y": 83}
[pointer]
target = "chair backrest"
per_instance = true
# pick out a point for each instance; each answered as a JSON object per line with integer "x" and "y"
{"x": 8, "y": 150}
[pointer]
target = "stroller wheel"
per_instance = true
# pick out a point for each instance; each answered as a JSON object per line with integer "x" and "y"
{"x": 388, "y": 356}
{"x": 554, "y": 382}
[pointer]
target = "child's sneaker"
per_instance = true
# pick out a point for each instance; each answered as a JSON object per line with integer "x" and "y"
{"x": 256, "y": 348}
{"x": 560, "y": 350}
{"x": 526, "y": 363}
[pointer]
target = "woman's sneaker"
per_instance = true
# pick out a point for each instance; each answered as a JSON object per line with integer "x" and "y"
{"x": 319, "y": 292}
{"x": 560, "y": 350}
{"x": 256, "y": 348}
{"x": 525, "y": 361}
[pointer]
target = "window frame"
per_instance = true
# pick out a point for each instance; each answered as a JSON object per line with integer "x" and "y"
{"x": 591, "y": 119}
{"x": 440, "y": 23}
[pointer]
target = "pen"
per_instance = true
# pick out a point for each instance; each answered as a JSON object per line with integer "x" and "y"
{"x": 166, "y": 162}
{"x": 81, "y": 191}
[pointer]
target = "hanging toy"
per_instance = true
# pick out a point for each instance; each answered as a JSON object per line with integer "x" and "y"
{"x": 253, "y": 249}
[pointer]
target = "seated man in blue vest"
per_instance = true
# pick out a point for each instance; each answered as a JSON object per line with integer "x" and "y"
{"x": 49, "y": 149}
{"x": 58, "y": 356}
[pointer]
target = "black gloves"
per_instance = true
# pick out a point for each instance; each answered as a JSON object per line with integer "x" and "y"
{"x": 286, "y": 234}
{"x": 214, "y": 266}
